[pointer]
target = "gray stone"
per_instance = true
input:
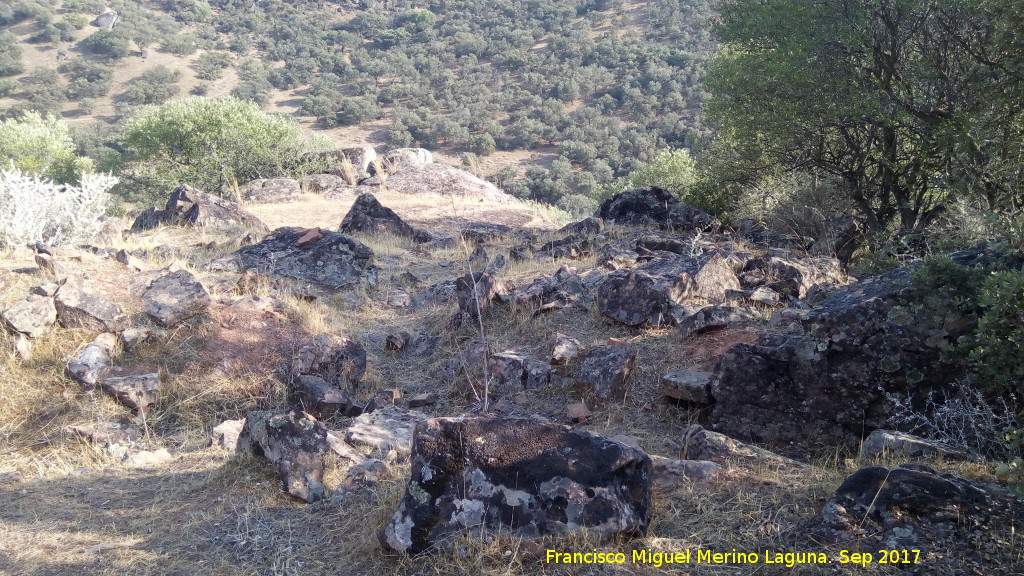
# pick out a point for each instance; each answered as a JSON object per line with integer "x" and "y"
{"x": 135, "y": 392}
{"x": 48, "y": 289}
{"x": 369, "y": 216}
{"x": 187, "y": 206}
{"x": 336, "y": 261}
{"x": 902, "y": 445}
{"x": 22, "y": 348}
{"x": 175, "y": 297}
{"x": 606, "y": 369}
{"x": 133, "y": 337}
{"x": 425, "y": 399}
{"x": 77, "y": 308}
{"x": 397, "y": 159}
{"x": 384, "y": 431}
{"x": 108, "y": 434}
{"x": 33, "y": 316}
{"x": 654, "y": 207}
{"x": 93, "y": 362}
{"x": 701, "y": 444}
{"x": 339, "y": 361}
{"x": 268, "y": 190}
{"x": 765, "y": 295}
{"x": 712, "y": 318}
{"x": 565, "y": 350}
{"x": 522, "y": 477}
{"x": 688, "y": 386}
{"x": 293, "y": 441}
{"x": 513, "y": 372}
{"x": 225, "y": 435}
{"x": 49, "y": 265}
{"x": 672, "y": 474}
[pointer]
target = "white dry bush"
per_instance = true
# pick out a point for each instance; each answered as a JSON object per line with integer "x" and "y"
{"x": 33, "y": 209}
{"x": 965, "y": 419}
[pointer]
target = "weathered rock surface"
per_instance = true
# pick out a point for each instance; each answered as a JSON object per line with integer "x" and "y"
{"x": 916, "y": 508}
{"x": 109, "y": 433}
{"x": 327, "y": 184}
{"x": 688, "y": 386}
{"x": 671, "y": 474}
{"x": 368, "y": 215}
{"x": 91, "y": 364}
{"x": 561, "y": 290}
{"x": 175, "y": 297}
{"x": 77, "y": 308}
{"x": 33, "y": 316}
{"x": 293, "y": 441}
{"x": 336, "y": 261}
{"x": 267, "y": 190}
{"x": 513, "y": 372}
{"x": 606, "y": 369}
{"x": 900, "y": 444}
{"x": 135, "y": 392}
{"x": 385, "y": 434}
{"x": 190, "y": 207}
{"x": 319, "y": 397}
{"x": 565, "y": 349}
{"x": 339, "y": 361}
{"x": 437, "y": 179}
{"x": 399, "y": 158}
{"x": 700, "y": 444}
{"x": 830, "y": 379}
{"x": 520, "y": 476}
{"x": 225, "y": 435}
{"x": 711, "y": 318}
{"x": 654, "y": 207}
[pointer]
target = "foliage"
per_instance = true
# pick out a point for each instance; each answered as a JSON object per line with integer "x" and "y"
{"x": 10, "y": 55}
{"x": 673, "y": 170}
{"x": 210, "y": 65}
{"x": 154, "y": 86}
{"x": 41, "y": 147}
{"x": 115, "y": 44}
{"x": 211, "y": 144}
{"x": 33, "y": 209}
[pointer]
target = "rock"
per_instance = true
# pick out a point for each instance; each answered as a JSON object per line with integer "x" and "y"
{"x": 135, "y": 392}
{"x": 765, "y": 295}
{"x": 187, "y": 206}
{"x": 47, "y": 289}
{"x": 384, "y": 431}
{"x": 672, "y": 474}
{"x": 50, "y": 266}
{"x": 524, "y": 478}
{"x": 267, "y": 190}
{"x": 133, "y": 337}
{"x": 701, "y": 444}
{"x": 339, "y": 361}
{"x": 578, "y": 413}
{"x": 326, "y": 183}
{"x": 398, "y": 299}
{"x": 77, "y": 308}
{"x": 512, "y": 372}
{"x": 399, "y": 158}
{"x": 565, "y": 349}
{"x": 369, "y": 216}
{"x": 383, "y": 398}
{"x": 147, "y": 458}
{"x": 606, "y": 369}
{"x": 22, "y": 348}
{"x": 320, "y": 398}
{"x": 108, "y": 433}
{"x": 574, "y": 247}
{"x": 614, "y": 257}
{"x": 440, "y": 179}
{"x": 344, "y": 162}
{"x": 654, "y": 207}
{"x": 564, "y": 289}
{"x": 225, "y": 435}
{"x": 175, "y": 297}
{"x": 91, "y": 364}
{"x": 33, "y": 316}
{"x": 474, "y": 293}
{"x": 688, "y": 386}
{"x": 833, "y": 376}
{"x": 362, "y": 475}
{"x": 336, "y": 261}
{"x": 293, "y": 441}
{"x": 587, "y": 227}
{"x": 912, "y": 508}
{"x": 425, "y": 399}
{"x": 106, "y": 20}
{"x": 900, "y": 444}
{"x": 710, "y": 318}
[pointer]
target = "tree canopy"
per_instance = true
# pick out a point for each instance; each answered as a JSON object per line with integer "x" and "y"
{"x": 42, "y": 147}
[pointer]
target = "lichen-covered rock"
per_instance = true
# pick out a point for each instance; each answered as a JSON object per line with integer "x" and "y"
{"x": 187, "y": 206}
{"x": 900, "y": 444}
{"x": 565, "y": 349}
{"x": 335, "y": 261}
{"x": 93, "y": 361}
{"x": 385, "y": 434}
{"x": 688, "y": 386}
{"x": 339, "y": 361}
{"x": 33, "y": 316}
{"x": 513, "y": 372}
{"x": 175, "y": 297}
{"x": 319, "y": 397}
{"x": 267, "y": 190}
{"x": 606, "y": 370}
{"x": 368, "y": 215}
{"x": 293, "y": 441}
{"x": 136, "y": 392}
{"x": 519, "y": 476}
{"x": 654, "y": 207}
{"x": 78, "y": 308}
{"x": 474, "y": 293}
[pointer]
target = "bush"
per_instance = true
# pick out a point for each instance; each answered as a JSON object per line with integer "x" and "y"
{"x": 154, "y": 86}
{"x": 210, "y": 65}
{"x": 36, "y": 210}
{"x": 114, "y": 43}
{"x": 41, "y": 147}
{"x": 673, "y": 170}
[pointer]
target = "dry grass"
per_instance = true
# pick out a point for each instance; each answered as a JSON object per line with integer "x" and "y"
{"x": 80, "y": 510}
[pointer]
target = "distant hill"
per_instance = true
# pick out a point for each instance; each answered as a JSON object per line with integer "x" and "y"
{"x": 549, "y": 98}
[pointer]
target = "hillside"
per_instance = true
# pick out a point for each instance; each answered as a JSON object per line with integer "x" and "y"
{"x": 569, "y": 94}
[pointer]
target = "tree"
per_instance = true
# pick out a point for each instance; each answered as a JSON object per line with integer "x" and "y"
{"x": 899, "y": 99}
{"x": 41, "y": 147}
{"x": 211, "y": 144}
{"x": 154, "y": 86}
{"x": 673, "y": 170}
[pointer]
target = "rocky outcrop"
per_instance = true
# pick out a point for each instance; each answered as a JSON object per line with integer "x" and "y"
{"x": 892, "y": 443}
{"x": 340, "y": 362}
{"x": 268, "y": 190}
{"x": 519, "y": 476}
{"x": 333, "y": 261}
{"x": 399, "y": 158}
{"x": 190, "y": 207}
{"x": 829, "y": 378}
{"x": 654, "y": 207}
{"x": 339, "y": 162}
{"x": 369, "y": 216}
{"x": 33, "y": 316}
{"x": 606, "y": 369}
{"x": 293, "y": 441}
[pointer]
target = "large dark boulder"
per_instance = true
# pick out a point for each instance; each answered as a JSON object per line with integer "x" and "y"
{"x": 334, "y": 260}
{"x": 828, "y": 380}
{"x": 654, "y": 207}
{"x": 370, "y": 216}
{"x": 519, "y": 476}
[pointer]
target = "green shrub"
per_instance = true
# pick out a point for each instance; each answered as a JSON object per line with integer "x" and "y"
{"x": 42, "y": 147}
